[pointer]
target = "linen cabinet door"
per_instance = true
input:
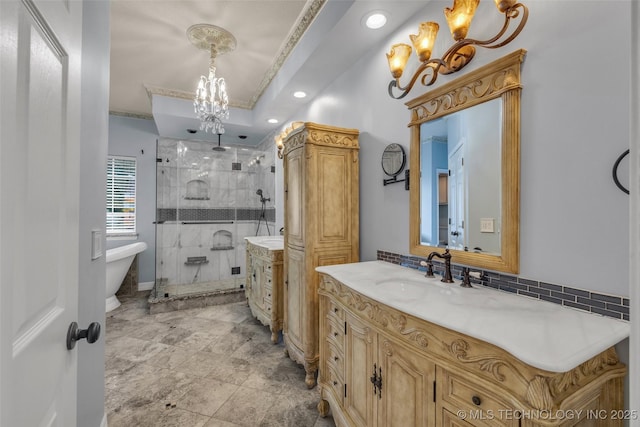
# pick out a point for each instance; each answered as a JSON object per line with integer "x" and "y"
{"x": 295, "y": 299}
{"x": 407, "y": 392}
{"x": 359, "y": 361}
{"x": 294, "y": 181}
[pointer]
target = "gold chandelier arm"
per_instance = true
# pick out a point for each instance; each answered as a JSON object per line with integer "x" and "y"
{"x": 461, "y": 53}
{"x": 509, "y": 14}
{"x": 429, "y": 72}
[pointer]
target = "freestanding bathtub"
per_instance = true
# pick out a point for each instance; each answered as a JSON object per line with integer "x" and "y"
{"x": 118, "y": 262}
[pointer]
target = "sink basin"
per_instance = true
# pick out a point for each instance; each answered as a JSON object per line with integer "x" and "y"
{"x": 270, "y": 242}
{"x": 417, "y": 286}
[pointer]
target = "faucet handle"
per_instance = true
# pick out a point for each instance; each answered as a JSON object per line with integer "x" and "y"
{"x": 466, "y": 282}
{"x": 429, "y": 266}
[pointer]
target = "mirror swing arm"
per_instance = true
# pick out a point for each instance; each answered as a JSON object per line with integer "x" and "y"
{"x": 394, "y": 179}
{"x": 498, "y": 79}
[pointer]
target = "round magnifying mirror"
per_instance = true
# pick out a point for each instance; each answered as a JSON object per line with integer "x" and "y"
{"x": 393, "y": 159}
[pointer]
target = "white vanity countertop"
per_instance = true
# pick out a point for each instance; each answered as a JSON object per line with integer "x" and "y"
{"x": 542, "y": 334}
{"x": 273, "y": 243}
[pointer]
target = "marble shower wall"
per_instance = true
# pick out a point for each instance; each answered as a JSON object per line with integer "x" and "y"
{"x": 206, "y": 205}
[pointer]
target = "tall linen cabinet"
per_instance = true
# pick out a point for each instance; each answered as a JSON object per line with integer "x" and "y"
{"x": 321, "y": 227}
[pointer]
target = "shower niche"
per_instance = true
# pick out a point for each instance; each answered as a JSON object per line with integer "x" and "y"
{"x": 206, "y": 204}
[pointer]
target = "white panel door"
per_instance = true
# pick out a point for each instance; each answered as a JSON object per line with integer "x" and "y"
{"x": 456, "y": 199}
{"x": 39, "y": 182}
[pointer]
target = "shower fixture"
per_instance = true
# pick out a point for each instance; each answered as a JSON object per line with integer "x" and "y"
{"x": 218, "y": 148}
{"x": 263, "y": 200}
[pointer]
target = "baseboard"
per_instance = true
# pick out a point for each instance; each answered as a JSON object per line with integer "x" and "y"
{"x": 145, "y": 286}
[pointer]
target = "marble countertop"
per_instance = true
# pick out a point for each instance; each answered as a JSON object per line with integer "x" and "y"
{"x": 273, "y": 243}
{"x": 542, "y": 334}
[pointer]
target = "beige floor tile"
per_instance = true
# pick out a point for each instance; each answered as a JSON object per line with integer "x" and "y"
{"x": 247, "y": 407}
{"x": 207, "y": 367}
{"x": 206, "y": 396}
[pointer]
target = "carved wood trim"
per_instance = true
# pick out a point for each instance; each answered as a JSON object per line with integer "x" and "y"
{"x": 322, "y": 135}
{"x": 534, "y": 388}
{"x": 473, "y": 88}
{"x": 262, "y": 252}
{"x": 499, "y": 79}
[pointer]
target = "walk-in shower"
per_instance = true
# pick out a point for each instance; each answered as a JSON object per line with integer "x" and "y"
{"x": 206, "y": 205}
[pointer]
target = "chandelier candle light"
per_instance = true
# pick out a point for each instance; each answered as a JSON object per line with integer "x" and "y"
{"x": 460, "y": 53}
{"x": 211, "y": 102}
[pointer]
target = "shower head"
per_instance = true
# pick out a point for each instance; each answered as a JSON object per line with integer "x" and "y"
{"x": 259, "y": 192}
{"x": 218, "y": 148}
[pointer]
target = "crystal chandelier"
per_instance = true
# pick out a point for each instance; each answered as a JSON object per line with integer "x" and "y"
{"x": 211, "y": 103}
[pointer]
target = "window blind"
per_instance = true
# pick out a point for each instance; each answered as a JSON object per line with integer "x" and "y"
{"x": 121, "y": 195}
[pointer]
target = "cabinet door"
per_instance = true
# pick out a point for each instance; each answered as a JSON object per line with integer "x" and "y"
{"x": 295, "y": 297}
{"x": 294, "y": 180}
{"x": 256, "y": 270}
{"x": 359, "y": 360}
{"x": 335, "y": 199}
{"x": 407, "y": 386}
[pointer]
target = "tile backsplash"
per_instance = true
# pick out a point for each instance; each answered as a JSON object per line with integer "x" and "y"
{"x": 593, "y": 302}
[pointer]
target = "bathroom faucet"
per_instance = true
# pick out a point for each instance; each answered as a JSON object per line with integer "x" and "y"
{"x": 446, "y": 256}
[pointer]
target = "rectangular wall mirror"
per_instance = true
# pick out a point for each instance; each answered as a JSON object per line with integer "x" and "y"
{"x": 465, "y": 155}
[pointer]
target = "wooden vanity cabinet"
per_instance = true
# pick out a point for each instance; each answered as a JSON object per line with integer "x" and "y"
{"x": 321, "y": 227}
{"x": 428, "y": 375}
{"x": 264, "y": 286}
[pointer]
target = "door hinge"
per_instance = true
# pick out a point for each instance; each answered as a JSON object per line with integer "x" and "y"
{"x": 345, "y": 328}
{"x": 434, "y": 391}
{"x": 345, "y": 391}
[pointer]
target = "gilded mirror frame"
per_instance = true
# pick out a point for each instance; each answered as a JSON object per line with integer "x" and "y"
{"x": 498, "y": 79}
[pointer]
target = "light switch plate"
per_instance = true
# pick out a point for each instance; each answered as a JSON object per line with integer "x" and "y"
{"x": 96, "y": 244}
{"x": 486, "y": 225}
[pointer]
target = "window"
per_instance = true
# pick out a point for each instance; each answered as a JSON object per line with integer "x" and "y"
{"x": 121, "y": 195}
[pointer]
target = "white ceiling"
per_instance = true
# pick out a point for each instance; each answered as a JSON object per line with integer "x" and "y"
{"x": 282, "y": 46}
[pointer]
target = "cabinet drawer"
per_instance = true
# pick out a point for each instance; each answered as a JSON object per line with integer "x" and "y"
{"x": 335, "y": 383}
{"x": 267, "y": 306}
{"x": 267, "y": 293}
{"x": 335, "y": 311}
{"x": 451, "y": 420}
{"x": 335, "y": 357}
{"x": 335, "y": 332}
{"x": 268, "y": 281}
{"x": 486, "y": 406}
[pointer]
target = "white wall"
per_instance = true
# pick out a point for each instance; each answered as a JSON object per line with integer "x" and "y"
{"x": 575, "y": 123}
{"x": 93, "y": 169}
{"x": 137, "y": 138}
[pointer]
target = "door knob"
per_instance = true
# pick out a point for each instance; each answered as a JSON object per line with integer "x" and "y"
{"x": 92, "y": 333}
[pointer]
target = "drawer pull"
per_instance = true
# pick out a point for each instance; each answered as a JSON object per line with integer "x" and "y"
{"x": 335, "y": 383}
{"x": 335, "y": 310}
{"x": 335, "y": 334}
{"x": 335, "y": 358}
{"x": 476, "y": 400}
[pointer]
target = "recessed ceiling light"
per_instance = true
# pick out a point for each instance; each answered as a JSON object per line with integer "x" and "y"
{"x": 375, "y": 20}
{"x": 192, "y": 130}
{"x": 299, "y": 94}
{"x": 242, "y": 136}
{"x": 273, "y": 121}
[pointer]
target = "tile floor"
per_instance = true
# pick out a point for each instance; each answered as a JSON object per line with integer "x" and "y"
{"x": 204, "y": 367}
